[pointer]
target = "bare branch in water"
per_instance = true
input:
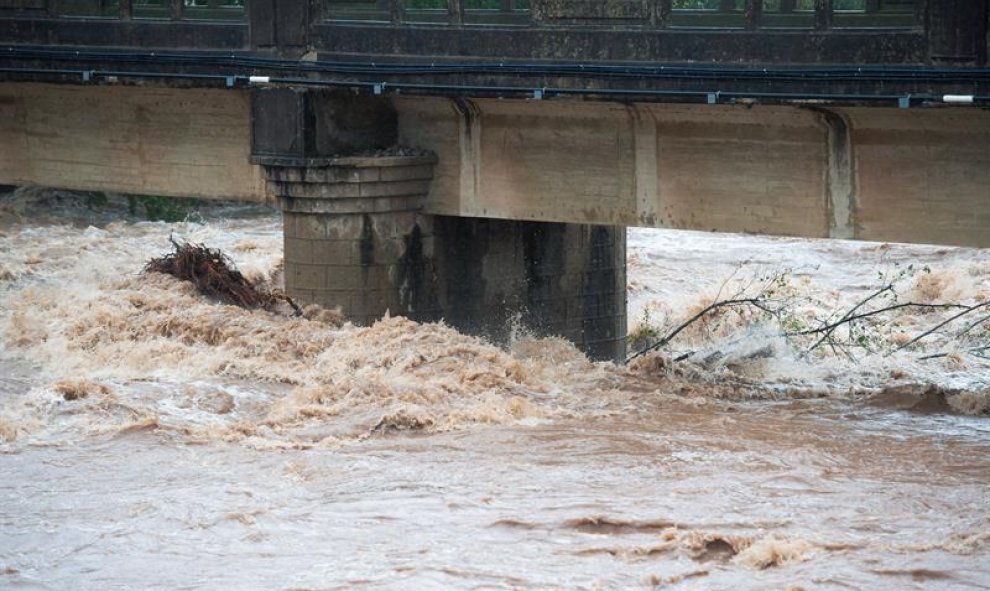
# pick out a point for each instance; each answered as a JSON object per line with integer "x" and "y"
{"x": 755, "y": 302}
{"x": 977, "y": 351}
{"x": 828, "y": 330}
{"x": 966, "y": 310}
{"x": 214, "y": 275}
{"x": 775, "y": 307}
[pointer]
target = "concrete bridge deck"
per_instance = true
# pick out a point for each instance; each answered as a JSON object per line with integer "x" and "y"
{"x": 887, "y": 174}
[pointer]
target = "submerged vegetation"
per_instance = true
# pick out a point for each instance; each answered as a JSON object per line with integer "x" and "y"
{"x": 875, "y": 323}
{"x": 96, "y": 207}
{"x": 158, "y": 208}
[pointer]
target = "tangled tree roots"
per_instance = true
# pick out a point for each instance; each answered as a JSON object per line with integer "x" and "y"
{"x": 215, "y": 275}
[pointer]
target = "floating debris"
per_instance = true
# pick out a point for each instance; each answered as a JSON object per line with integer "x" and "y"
{"x": 216, "y": 276}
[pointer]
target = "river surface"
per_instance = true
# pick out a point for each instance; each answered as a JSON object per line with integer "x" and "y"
{"x": 153, "y": 439}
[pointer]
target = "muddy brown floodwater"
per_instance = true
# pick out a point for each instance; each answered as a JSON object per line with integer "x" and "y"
{"x": 152, "y": 439}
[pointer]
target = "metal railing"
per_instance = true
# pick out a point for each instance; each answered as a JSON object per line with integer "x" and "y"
{"x": 214, "y": 10}
{"x": 749, "y": 14}
{"x": 504, "y": 12}
{"x": 800, "y": 14}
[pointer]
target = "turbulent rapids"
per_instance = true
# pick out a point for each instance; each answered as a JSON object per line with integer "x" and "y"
{"x": 144, "y": 425}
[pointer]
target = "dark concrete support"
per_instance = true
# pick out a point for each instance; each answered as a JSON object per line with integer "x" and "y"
{"x": 558, "y": 279}
{"x": 261, "y": 19}
{"x": 753, "y": 14}
{"x": 455, "y": 12}
{"x": 355, "y": 237}
{"x": 292, "y": 126}
{"x": 274, "y": 23}
{"x": 354, "y": 240}
{"x": 396, "y": 11}
{"x": 661, "y": 13}
{"x": 823, "y": 15}
{"x": 957, "y": 31}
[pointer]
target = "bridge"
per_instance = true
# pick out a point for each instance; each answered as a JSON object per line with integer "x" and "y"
{"x": 479, "y": 160}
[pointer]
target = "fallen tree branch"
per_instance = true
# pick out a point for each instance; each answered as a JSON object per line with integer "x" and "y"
{"x": 214, "y": 275}
{"x": 812, "y": 331}
{"x": 975, "y": 351}
{"x": 756, "y": 302}
{"x": 826, "y": 331}
{"x": 974, "y": 324}
{"x": 967, "y": 310}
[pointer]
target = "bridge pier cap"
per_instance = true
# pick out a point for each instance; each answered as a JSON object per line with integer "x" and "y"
{"x": 356, "y": 237}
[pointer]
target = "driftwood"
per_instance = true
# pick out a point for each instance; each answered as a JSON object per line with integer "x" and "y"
{"x": 215, "y": 276}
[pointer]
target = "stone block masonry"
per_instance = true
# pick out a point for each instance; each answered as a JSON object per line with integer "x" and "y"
{"x": 353, "y": 235}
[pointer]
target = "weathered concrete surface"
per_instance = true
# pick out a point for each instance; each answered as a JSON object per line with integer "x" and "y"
{"x": 912, "y": 175}
{"x": 554, "y": 279}
{"x": 291, "y": 125}
{"x": 917, "y": 175}
{"x": 922, "y": 175}
{"x": 354, "y": 240}
{"x": 680, "y": 166}
{"x": 188, "y": 143}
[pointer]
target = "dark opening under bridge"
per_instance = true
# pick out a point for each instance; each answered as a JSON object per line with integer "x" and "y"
{"x": 534, "y": 132}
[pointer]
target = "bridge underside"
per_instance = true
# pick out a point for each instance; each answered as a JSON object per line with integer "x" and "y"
{"x": 911, "y": 175}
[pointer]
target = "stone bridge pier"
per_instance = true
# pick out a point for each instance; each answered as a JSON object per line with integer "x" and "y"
{"x": 356, "y": 238}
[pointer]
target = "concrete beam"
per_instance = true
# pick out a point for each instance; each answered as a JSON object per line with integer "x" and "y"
{"x": 158, "y": 141}
{"x": 723, "y": 168}
{"x": 911, "y": 175}
{"x": 918, "y": 175}
{"x": 922, "y": 175}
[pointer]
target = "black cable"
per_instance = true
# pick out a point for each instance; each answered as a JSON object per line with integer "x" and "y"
{"x": 497, "y": 90}
{"x": 915, "y": 74}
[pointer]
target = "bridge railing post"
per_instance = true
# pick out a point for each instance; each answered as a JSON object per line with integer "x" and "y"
{"x": 957, "y": 31}
{"x": 397, "y": 11}
{"x": 823, "y": 15}
{"x": 455, "y": 12}
{"x": 921, "y": 15}
{"x": 754, "y": 14}
{"x": 660, "y": 13}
